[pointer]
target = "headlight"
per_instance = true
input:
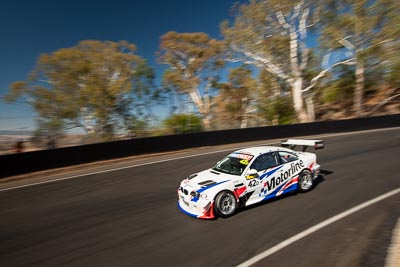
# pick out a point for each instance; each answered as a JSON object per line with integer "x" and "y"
{"x": 198, "y": 195}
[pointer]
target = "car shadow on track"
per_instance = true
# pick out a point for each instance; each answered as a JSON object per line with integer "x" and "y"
{"x": 320, "y": 179}
{"x": 326, "y": 172}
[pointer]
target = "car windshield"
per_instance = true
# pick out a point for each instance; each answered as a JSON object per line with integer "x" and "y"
{"x": 234, "y": 164}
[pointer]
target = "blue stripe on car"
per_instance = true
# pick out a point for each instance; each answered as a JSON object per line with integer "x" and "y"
{"x": 292, "y": 187}
{"x": 269, "y": 172}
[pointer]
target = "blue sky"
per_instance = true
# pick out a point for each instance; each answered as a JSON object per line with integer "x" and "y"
{"x": 30, "y": 28}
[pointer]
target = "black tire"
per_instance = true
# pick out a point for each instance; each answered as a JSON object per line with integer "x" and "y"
{"x": 306, "y": 181}
{"x": 225, "y": 204}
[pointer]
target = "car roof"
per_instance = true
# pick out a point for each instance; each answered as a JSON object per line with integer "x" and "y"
{"x": 257, "y": 150}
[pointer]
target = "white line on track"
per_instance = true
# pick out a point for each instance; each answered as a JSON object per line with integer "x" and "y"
{"x": 177, "y": 158}
{"x": 315, "y": 228}
{"x": 393, "y": 255}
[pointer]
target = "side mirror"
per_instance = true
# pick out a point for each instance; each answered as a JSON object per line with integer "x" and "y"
{"x": 251, "y": 174}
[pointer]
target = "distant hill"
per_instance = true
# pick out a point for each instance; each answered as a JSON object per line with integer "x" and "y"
{"x": 4, "y": 132}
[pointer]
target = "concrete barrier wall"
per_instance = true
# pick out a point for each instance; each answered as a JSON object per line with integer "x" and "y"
{"x": 22, "y": 163}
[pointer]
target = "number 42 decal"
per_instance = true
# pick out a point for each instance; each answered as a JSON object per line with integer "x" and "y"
{"x": 253, "y": 183}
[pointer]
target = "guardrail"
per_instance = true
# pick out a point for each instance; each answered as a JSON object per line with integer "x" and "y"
{"x": 16, "y": 164}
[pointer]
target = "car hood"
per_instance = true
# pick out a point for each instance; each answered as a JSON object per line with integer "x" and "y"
{"x": 209, "y": 178}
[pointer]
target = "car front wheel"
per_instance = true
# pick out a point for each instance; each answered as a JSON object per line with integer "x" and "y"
{"x": 306, "y": 181}
{"x": 225, "y": 204}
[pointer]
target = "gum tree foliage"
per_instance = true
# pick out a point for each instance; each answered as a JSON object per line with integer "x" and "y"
{"x": 278, "y": 111}
{"x": 194, "y": 60}
{"x": 390, "y": 55}
{"x": 272, "y": 35}
{"x": 233, "y": 105}
{"x": 366, "y": 33}
{"x": 274, "y": 103}
{"x": 339, "y": 89}
{"x": 91, "y": 85}
{"x": 183, "y": 123}
{"x": 145, "y": 93}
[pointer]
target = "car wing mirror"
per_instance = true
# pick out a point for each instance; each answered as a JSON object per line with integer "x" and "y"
{"x": 251, "y": 174}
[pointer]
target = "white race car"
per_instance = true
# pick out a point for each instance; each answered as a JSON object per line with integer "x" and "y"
{"x": 249, "y": 176}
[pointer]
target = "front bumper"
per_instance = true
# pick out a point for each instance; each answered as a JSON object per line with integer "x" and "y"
{"x": 201, "y": 209}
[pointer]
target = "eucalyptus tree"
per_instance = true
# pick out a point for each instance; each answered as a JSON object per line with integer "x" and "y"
{"x": 275, "y": 35}
{"x": 91, "y": 85}
{"x": 194, "y": 60}
{"x": 363, "y": 32}
{"x": 234, "y": 102}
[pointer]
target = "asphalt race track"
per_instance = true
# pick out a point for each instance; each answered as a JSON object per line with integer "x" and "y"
{"x": 129, "y": 217}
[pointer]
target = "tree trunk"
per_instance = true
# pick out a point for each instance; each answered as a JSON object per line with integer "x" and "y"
{"x": 298, "y": 102}
{"x": 310, "y": 108}
{"x": 206, "y": 122}
{"x": 359, "y": 90}
{"x": 244, "y": 115}
{"x": 297, "y": 85}
{"x": 86, "y": 121}
{"x": 203, "y": 107}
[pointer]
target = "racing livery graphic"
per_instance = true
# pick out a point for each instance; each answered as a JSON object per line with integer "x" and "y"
{"x": 249, "y": 176}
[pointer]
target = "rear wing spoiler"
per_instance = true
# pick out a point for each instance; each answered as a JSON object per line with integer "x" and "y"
{"x": 292, "y": 143}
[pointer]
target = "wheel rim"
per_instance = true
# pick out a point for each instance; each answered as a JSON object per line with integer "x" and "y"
{"x": 306, "y": 181}
{"x": 227, "y": 204}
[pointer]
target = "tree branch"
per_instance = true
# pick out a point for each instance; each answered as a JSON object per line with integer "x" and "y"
{"x": 384, "y": 102}
{"x": 282, "y": 21}
{"x": 296, "y": 11}
{"x": 303, "y": 25}
{"x": 235, "y": 60}
{"x": 294, "y": 57}
{"x": 272, "y": 68}
{"x": 347, "y": 43}
{"x": 46, "y": 82}
{"x": 323, "y": 72}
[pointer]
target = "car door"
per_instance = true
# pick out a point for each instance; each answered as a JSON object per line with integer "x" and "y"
{"x": 284, "y": 177}
{"x": 263, "y": 164}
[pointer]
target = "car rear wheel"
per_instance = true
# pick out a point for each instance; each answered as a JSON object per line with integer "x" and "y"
{"x": 306, "y": 181}
{"x": 225, "y": 204}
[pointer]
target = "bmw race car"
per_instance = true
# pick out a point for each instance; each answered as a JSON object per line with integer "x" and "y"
{"x": 248, "y": 176}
